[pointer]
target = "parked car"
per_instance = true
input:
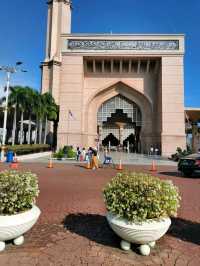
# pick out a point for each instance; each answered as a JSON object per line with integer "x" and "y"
{"x": 189, "y": 164}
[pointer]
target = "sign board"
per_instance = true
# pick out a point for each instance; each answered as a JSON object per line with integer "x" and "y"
{"x": 123, "y": 44}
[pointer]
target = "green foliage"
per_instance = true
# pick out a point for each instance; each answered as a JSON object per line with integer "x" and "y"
{"x": 27, "y": 149}
{"x": 18, "y": 191}
{"x": 67, "y": 151}
{"x": 59, "y": 155}
{"x": 180, "y": 153}
{"x": 71, "y": 154}
{"x": 139, "y": 197}
{"x": 28, "y": 104}
{"x": 67, "y": 148}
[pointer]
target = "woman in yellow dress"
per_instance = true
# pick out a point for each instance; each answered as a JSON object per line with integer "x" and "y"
{"x": 94, "y": 159}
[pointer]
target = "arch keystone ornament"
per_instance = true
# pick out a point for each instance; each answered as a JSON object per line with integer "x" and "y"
{"x": 84, "y": 71}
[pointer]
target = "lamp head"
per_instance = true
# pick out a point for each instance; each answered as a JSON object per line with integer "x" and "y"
{"x": 18, "y": 63}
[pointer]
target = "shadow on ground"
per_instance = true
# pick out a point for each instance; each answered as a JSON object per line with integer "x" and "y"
{"x": 92, "y": 226}
{"x": 185, "y": 230}
{"x": 95, "y": 228}
{"x": 173, "y": 173}
{"x": 178, "y": 174}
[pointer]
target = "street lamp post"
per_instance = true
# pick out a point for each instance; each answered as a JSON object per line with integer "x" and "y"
{"x": 8, "y": 70}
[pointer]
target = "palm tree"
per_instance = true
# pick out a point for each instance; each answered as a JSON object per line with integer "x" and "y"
{"x": 22, "y": 106}
{"x": 13, "y": 103}
{"x": 31, "y": 103}
{"x": 36, "y": 111}
{"x": 50, "y": 111}
{"x": 41, "y": 111}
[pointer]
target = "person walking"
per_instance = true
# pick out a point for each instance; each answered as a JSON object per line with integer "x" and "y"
{"x": 94, "y": 159}
{"x": 151, "y": 150}
{"x": 83, "y": 154}
{"x": 78, "y": 153}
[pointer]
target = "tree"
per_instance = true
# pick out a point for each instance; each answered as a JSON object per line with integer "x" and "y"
{"x": 37, "y": 106}
{"x": 13, "y": 103}
{"x": 31, "y": 102}
{"x": 50, "y": 111}
{"x": 22, "y": 106}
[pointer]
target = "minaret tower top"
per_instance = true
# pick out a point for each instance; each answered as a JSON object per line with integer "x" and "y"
{"x": 59, "y": 22}
{"x": 68, "y": 2}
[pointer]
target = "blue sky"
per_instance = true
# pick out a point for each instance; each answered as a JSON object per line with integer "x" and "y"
{"x": 23, "y": 30}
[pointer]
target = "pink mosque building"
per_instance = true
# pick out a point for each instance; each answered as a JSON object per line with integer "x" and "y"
{"x": 115, "y": 88}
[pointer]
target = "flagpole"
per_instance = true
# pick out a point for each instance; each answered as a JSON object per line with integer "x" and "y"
{"x": 70, "y": 115}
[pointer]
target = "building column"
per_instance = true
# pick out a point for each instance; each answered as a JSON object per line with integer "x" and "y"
{"x": 138, "y": 67}
{"x": 129, "y": 66}
{"x": 94, "y": 66}
{"x": 100, "y": 134}
{"x": 121, "y": 131}
{"x": 172, "y": 114}
{"x": 194, "y": 136}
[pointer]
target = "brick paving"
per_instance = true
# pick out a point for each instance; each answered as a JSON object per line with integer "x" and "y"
{"x": 72, "y": 229}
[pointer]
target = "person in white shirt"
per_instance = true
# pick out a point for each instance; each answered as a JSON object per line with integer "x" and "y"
{"x": 83, "y": 154}
{"x": 151, "y": 150}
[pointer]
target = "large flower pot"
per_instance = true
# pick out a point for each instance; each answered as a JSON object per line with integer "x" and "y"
{"x": 144, "y": 234}
{"x": 12, "y": 227}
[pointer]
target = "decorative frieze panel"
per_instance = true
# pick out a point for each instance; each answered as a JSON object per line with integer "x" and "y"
{"x": 123, "y": 44}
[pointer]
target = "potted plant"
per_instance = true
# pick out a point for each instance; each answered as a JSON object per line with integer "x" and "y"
{"x": 18, "y": 212}
{"x": 139, "y": 208}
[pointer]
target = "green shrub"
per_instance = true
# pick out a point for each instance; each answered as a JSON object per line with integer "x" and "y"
{"x": 66, "y": 149}
{"x": 18, "y": 191}
{"x": 71, "y": 154}
{"x": 59, "y": 154}
{"x": 27, "y": 149}
{"x": 139, "y": 197}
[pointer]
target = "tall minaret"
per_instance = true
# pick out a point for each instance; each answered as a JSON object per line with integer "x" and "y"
{"x": 59, "y": 22}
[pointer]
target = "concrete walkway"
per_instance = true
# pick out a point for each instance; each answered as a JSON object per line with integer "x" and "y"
{"x": 127, "y": 159}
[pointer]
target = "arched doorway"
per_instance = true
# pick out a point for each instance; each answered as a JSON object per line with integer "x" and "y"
{"x": 119, "y": 123}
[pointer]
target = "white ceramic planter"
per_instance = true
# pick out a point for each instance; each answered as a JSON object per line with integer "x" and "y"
{"x": 12, "y": 227}
{"x": 144, "y": 234}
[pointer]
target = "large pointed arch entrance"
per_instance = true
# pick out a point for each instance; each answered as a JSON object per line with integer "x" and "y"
{"x": 119, "y": 123}
{"x": 117, "y": 106}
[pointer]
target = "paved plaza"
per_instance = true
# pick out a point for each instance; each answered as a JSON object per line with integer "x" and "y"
{"x": 126, "y": 158}
{"x": 72, "y": 229}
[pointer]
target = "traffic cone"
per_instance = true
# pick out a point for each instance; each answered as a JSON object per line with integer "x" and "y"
{"x": 14, "y": 164}
{"x": 119, "y": 167}
{"x": 50, "y": 163}
{"x": 153, "y": 167}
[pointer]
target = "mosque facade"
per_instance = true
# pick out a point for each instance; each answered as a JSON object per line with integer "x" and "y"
{"x": 115, "y": 89}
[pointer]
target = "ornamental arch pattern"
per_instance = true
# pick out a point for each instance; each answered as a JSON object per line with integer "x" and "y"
{"x": 129, "y": 93}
